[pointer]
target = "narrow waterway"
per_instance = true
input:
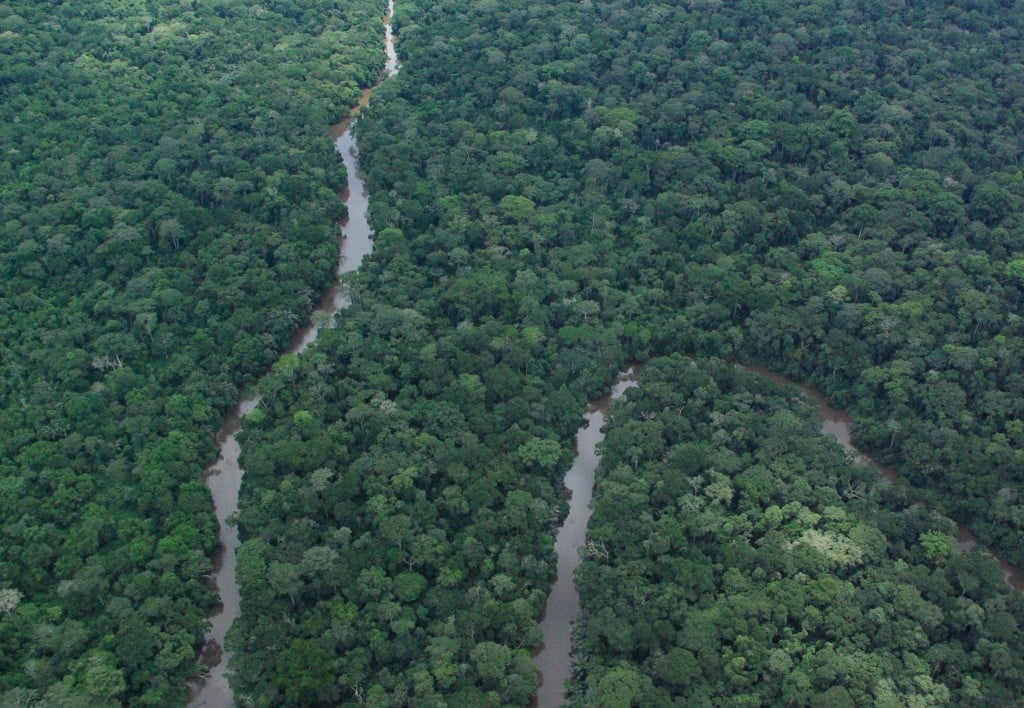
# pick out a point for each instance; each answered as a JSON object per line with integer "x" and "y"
{"x": 839, "y": 425}
{"x": 553, "y": 659}
{"x": 224, "y": 477}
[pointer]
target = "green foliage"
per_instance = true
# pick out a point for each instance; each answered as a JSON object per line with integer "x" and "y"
{"x": 849, "y": 595}
{"x": 304, "y": 672}
{"x": 167, "y": 215}
{"x": 544, "y": 453}
{"x": 937, "y": 545}
{"x": 829, "y": 188}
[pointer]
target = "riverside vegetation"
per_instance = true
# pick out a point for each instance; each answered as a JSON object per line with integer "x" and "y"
{"x": 741, "y": 558}
{"x": 168, "y": 201}
{"x": 828, "y": 188}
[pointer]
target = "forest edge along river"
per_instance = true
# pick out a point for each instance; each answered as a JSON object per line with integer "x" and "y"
{"x": 839, "y": 425}
{"x": 224, "y": 477}
{"x": 554, "y": 658}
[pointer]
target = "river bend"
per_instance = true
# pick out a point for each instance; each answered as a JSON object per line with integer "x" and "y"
{"x": 554, "y": 658}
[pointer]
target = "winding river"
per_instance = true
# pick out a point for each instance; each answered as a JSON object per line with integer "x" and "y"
{"x": 839, "y": 425}
{"x": 224, "y": 477}
{"x": 553, "y": 659}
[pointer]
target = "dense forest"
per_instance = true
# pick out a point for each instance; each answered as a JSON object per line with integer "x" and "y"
{"x": 831, "y": 188}
{"x": 168, "y": 201}
{"x": 737, "y": 557}
{"x": 828, "y": 188}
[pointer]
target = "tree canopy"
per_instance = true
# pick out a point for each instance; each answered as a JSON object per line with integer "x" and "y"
{"x": 167, "y": 215}
{"x": 832, "y": 189}
{"x": 740, "y": 557}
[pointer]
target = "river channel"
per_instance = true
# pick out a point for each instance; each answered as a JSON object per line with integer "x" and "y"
{"x": 839, "y": 425}
{"x": 224, "y": 477}
{"x": 553, "y": 660}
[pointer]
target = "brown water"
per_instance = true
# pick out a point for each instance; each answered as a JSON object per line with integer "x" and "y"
{"x": 553, "y": 659}
{"x": 839, "y": 425}
{"x": 224, "y": 477}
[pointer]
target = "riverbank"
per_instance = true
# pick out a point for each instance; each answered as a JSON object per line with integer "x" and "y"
{"x": 553, "y": 658}
{"x": 741, "y": 554}
{"x": 224, "y": 477}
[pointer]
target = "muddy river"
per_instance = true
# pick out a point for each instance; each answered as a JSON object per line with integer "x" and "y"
{"x": 224, "y": 477}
